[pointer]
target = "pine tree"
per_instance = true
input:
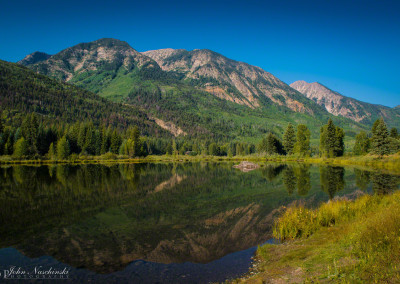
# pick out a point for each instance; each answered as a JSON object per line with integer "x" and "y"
{"x": 21, "y": 148}
{"x": 63, "y": 149}
{"x": 136, "y": 141}
{"x": 115, "y": 142}
{"x": 52, "y": 152}
{"x": 289, "y": 139}
{"x": 271, "y": 147}
{"x": 380, "y": 141}
{"x": 105, "y": 141}
{"x": 331, "y": 140}
{"x": 393, "y": 133}
{"x": 339, "y": 142}
{"x": 30, "y": 128}
{"x": 302, "y": 145}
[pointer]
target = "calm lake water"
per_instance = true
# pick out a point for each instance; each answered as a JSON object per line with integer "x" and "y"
{"x": 156, "y": 223}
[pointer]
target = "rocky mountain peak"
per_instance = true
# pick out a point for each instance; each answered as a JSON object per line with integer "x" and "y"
{"x": 340, "y": 105}
{"x": 105, "y": 54}
{"x": 33, "y": 58}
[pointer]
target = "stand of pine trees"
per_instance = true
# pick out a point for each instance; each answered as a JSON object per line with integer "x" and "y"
{"x": 35, "y": 138}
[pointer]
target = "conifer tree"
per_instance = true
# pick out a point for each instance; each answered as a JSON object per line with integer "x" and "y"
{"x": 30, "y": 128}
{"x": 63, "y": 150}
{"x": 302, "y": 145}
{"x": 52, "y": 152}
{"x": 21, "y": 148}
{"x": 289, "y": 139}
{"x": 105, "y": 141}
{"x": 115, "y": 142}
{"x": 331, "y": 140}
{"x": 136, "y": 141}
{"x": 271, "y": 147}
{"x": 380, "y": 141}
{"x": 339, "y": 142}
{"x": 393, "y": 133}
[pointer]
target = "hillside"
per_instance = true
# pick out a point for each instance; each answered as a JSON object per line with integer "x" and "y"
{"x": 340, "y": 105}
{"x": 23, "y": 91}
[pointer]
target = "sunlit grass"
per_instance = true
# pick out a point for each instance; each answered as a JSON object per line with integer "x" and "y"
{"x": 341, "y": 241}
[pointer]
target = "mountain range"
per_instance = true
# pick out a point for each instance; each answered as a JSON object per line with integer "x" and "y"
{"x": 203, "y": 93}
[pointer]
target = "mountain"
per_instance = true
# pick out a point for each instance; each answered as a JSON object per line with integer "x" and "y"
{"x": 340, "y": 105}
{"x": 229, "y": 79}
{"x": 201, "y": 92}
{"x": 33, "y": 58}
{"x": 23, "y": 91}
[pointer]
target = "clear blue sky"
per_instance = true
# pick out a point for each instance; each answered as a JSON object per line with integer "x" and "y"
{"x": 351, "y": 46}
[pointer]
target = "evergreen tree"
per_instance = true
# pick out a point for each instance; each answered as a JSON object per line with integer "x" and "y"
{"x": 302, "y": 145}
{"x": 339, "y": 142}
{"x": 270, "y": 145}
{"x": 394, "y": 133}
{"x": 136, "y": 141}
{"x": 331, "y": 140}
{"x": 213, "y": 149}
{"x": 30, "y": 129}
{"x": 115, "y": 142}
{"x": 105, "y": 141}
{"x": 63, "y": 149}
{"x": 174, "y": 148}
{"x": 21, "y": 148}
{"x": 380, "y": 141}
{"x": 52, "y": 152}
{"x": 289, "y": 139}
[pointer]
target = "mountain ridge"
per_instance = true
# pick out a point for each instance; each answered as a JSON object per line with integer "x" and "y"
{"x": 340, "y": 105}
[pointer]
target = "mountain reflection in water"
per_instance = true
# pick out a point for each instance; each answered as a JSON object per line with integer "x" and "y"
{"x": 158, "y": 219}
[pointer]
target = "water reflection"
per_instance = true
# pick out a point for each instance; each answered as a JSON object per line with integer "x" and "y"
{"x": 384, "y": 183}
{"x": 297, "y": 177}
{"x": 332, "y": 180}
{"x": 102, "y": 218}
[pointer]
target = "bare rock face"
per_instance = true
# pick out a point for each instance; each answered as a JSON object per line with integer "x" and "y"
{"x": 228, "y": 79}
{"x": 340, "y": 105}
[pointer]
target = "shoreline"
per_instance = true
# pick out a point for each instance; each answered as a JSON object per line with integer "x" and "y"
{"x": 391, "y": 162}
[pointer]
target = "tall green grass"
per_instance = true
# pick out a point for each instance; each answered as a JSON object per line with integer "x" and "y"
{"x": 367, "y": 231}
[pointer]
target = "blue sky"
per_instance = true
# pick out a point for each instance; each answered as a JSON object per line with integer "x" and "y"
{"x": 350, "y": 46}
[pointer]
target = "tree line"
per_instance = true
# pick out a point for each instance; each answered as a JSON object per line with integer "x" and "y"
{"x": 36, "y": 138}
{"x": 331, "y": 143}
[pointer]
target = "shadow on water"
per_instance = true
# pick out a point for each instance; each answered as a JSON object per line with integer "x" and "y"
{"x": 194, "y": 222}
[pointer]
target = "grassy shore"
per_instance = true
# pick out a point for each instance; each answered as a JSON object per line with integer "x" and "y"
{"x": 341, "y": 241}
{"x": 391, "y": 163}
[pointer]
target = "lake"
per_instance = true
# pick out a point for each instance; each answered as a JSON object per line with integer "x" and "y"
{"x": 156, "y": 222}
